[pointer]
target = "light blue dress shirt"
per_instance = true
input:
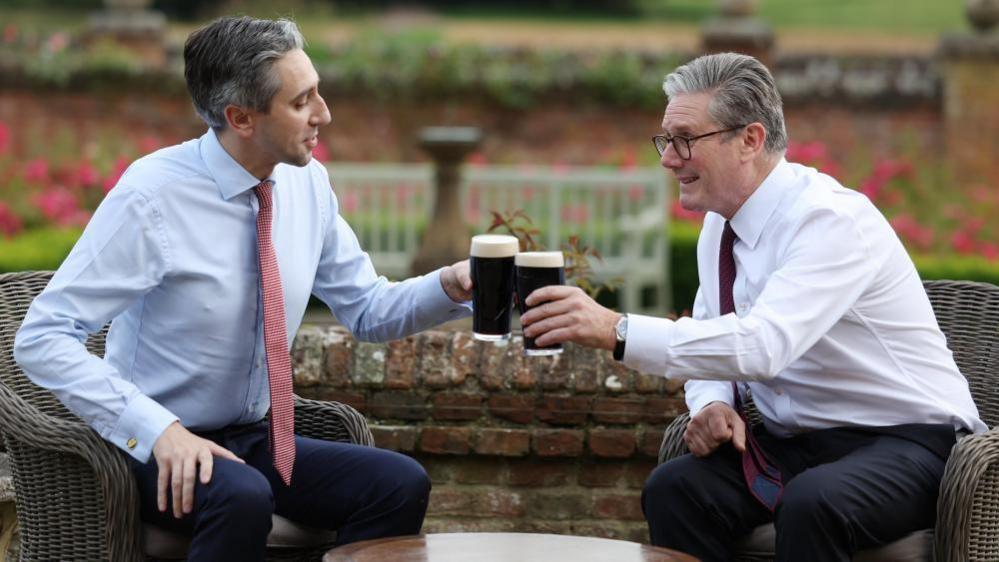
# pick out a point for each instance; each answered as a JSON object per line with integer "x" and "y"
{"x": 171, "y": 257}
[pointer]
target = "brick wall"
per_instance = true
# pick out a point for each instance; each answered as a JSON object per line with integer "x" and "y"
{"x": 559, "y": 444}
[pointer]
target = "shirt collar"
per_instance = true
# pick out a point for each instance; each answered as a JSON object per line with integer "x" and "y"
{"x": 231, "y": 177}
{"x": 754, "y": 213}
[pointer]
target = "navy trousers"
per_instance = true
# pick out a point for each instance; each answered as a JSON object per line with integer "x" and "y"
{"x": 362, "y": 492}
{"x": 845, "y": 489}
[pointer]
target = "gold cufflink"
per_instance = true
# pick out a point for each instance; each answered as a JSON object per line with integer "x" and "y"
{"x": 132, "y": 443}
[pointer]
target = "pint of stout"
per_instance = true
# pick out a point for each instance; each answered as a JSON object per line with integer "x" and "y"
{"x": 536, "y": 270}
{"x": 492, "y": 285}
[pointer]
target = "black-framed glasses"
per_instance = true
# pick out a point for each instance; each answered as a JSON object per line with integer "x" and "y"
{"x": 682, "y": 144}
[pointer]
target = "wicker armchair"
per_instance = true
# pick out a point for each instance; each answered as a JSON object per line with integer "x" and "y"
{"x": 76, "y": 497}
{"x": 968, "y": 507}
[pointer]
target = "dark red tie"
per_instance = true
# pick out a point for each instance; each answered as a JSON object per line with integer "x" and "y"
{"x": 282, "y": 430}
{"x": 762, "y": 477}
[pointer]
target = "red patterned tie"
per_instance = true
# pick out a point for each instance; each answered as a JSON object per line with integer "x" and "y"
{"x": 762, "y": 477}
{"x": 282, "y": 427}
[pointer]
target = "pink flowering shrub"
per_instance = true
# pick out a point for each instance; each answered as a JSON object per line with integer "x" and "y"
{"x": 930, "y": 212}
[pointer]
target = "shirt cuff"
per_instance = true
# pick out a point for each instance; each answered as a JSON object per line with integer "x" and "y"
{"x": 645, "y": 346}
{"x": 701, "y": 393}
{"x": 436, "y": 303}
{"x": 139, "y": 426}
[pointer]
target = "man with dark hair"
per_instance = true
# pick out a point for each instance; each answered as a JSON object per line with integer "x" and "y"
{"x": 204, "y": 256}
{"x": 808, "y": 300}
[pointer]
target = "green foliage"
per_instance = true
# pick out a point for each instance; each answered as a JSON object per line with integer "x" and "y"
{"x": 683, "y": 263}
{"x": 419, "y": 64}
{"x": 577, "y": 255}
{"x": 968, "y": 268}
{"x": 34, "y": 250}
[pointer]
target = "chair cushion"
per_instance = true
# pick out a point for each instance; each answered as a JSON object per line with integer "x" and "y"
{"x": 160, "y": 543}
{"x": 917, "y": 546}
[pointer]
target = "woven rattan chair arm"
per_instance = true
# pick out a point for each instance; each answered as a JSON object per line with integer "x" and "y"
{"x": 673, "y": 445}
{"x": 957, "y": 505}
{"x": 26, "y": 424}
{"x": 331, "y": 421}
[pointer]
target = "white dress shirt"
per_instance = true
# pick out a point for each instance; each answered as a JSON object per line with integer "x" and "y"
{"x": 832, "y": 326}
{"x": 171, "y": 256}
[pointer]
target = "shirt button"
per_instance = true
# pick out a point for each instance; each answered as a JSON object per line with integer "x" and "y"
{"x": 743, "y": 307}
{"x": 132, "y": 443}
{"x": 778, "y": 392}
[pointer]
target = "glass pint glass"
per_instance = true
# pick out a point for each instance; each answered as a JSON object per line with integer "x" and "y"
{"x": 491, "y": 263}
{"x": 533, "y": 271}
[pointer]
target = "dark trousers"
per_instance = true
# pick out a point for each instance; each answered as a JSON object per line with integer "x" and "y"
{"x": 362, "y": 492}
{"x": 844, "y": 490}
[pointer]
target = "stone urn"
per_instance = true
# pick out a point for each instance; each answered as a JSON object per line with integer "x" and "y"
{"x": 983, "y": 14}
{"x": 737, "y": 8}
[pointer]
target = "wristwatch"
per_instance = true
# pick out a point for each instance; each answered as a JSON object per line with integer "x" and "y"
{"x": 621, "y": 333}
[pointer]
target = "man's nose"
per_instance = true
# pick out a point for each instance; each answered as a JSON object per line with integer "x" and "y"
{"x": 670, "y": 159}
{"x": 323, "y": 116}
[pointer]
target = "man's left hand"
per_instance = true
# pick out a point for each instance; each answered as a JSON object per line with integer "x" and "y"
{"x": 456, "y": 280}
{"x": 564, "y": 313}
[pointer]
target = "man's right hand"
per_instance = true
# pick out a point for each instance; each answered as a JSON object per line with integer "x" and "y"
{"x": 178, "y": 453}
{"x": 715, "y": 424}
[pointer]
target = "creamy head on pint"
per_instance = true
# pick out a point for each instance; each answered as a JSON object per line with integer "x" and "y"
{"x": 494, "y": 246}
{"x": 540, "y": 259}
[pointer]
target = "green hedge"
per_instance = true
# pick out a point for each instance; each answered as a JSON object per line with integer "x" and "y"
{"x": 45, "y": 249}
{"x": 42, "y": 249}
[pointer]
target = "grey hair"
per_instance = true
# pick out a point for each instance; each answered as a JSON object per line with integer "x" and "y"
{"x": 744, "y": 92}
{"x": 229, "y": 62}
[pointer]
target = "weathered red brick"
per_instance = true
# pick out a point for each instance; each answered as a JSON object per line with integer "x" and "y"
{"x": 619, "y": 507}
{"x": 397, "y": 406}
{"x": 478, "y": 470}
{"x": 494, "y": 365}
{"x": 435, "y": 360}
{"x": 617, "y": 379}
{"x": 446, "y": 440}
{"x": 532, "y": 472}
{"x": 651, "y": 440}
{"x": 369, "y": 364}
{"x": 400, "y": 365}
{"x": 600, "y": 474}
{"x": 450, "y": 500}
{"x": 624, "y": 410}
{"x": 553, "y": 371}
{"x": 355, "y": 399}
{"x": 585, "y": 368}
{"x": 662, "y": 410}
{"x": 339, "y": 359}
{"x": 503, "y": 442}
{"x": 649, "y": 384}
{"x": 559, "y": 505}
{"x": 637, "y": 472}
{"x": 558, "y": 442}
{"x": 465, "y": 352}
{"x": 518, "y": 408}
{"x": 457, "y": 406}
{"x": 501, "y": 502}
{"x": 563, "y": 410}
{"x": 440, "y": 469}
{"x": 612, "y": 443}
{"x": 519, "y": 367}
{"x": 394, "y": 438}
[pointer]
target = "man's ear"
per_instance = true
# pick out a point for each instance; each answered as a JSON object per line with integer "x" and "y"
{"x": 240, "y": 120}
{"x": 754, "y": 140}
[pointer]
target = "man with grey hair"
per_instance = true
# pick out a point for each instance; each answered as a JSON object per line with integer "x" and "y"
{"x": 807, "y": 300}
{"x": 204, "y": 256}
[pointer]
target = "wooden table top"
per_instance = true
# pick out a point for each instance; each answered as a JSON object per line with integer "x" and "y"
{"x": 501, "y": 547}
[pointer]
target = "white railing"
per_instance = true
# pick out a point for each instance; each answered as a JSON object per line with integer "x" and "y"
{"x": 620, "y": 213}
